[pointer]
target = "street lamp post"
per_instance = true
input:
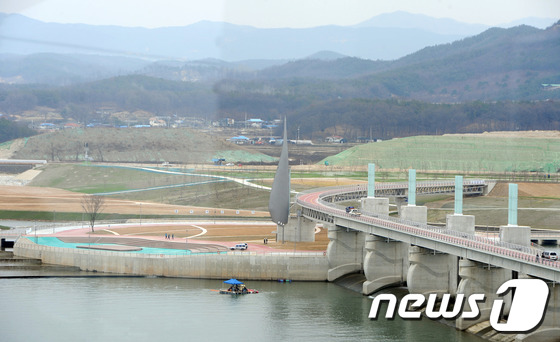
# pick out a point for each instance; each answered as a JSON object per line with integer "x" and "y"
{"x": 187, "y": 241}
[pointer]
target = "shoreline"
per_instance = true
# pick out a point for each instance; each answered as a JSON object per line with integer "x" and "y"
{"x": 23, "y": 248}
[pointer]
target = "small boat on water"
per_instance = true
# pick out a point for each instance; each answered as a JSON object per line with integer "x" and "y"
{"x": 236, "y": 288}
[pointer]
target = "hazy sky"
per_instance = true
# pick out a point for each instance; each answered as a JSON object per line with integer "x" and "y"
{"x": 267, "y": 13}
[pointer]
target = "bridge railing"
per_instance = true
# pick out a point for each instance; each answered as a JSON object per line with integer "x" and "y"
{"x": 546, "y": 234}
{"x": 358, "y": 188}
{"x": 415, "y": 228}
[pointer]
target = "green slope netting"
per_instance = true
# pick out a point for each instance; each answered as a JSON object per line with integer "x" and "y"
{"x": 460, "y": 153}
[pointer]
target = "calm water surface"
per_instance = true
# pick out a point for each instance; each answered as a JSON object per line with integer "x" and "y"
{"x": 166, "y": 309}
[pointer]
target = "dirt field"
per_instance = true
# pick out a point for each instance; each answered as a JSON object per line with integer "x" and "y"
{"x": 50, "y": 199}
{"x": 226, "y": 233}
{"x": 538, "y": 206}
{"x": 549, "y": 190}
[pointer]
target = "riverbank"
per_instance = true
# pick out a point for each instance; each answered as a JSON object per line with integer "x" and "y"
{"x": 302, "y": 266}
{"x": 299, "y": 266}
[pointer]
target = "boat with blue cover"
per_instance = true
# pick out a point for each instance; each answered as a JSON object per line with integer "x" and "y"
{"x": 237, "y": 288}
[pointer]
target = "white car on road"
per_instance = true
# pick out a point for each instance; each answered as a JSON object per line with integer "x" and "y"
{"x": 241, "y": 246}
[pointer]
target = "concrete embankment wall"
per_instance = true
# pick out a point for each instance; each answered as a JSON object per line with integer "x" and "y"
{"x": 241, "y": 265}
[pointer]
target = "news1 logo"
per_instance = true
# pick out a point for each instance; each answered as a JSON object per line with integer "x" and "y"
{"x": 526, "y": 312}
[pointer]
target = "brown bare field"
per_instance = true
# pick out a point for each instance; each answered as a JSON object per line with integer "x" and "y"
{"x": 550, "y": 190}
{"x": 50, "y": 199}
{"x": 538, "y": 205}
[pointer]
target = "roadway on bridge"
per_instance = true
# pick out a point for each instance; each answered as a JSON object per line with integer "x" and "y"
{"x": 486, "y": 250}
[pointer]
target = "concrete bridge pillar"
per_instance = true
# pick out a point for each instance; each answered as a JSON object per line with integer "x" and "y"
{"x": 431, "y": 272}
{"x": 376, "y": 205}
{"x": 413, "y": 213}
{"x": 299, "y": 229}
{"x": 519, "y": 235}
{"x": 385, "y": 263}
{"x": 345, "y": 251}
{"x": 512, "y": 233}
{"x": 461, "y": 223}
{"x": 481, "y": 278}
{"x": 400, "y": 202}
{"x": 386, "y": 260}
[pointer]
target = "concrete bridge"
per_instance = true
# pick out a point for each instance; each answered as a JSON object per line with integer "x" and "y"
{"x": 400, "y": 189}
{"x": 393, "y": 251}
{"x": 545, "y": 237}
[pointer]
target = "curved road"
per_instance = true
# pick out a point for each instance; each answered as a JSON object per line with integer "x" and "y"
{"x": 312, "y": 202}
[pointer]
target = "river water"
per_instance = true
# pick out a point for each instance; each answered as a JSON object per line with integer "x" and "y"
{"x": 170, "y": 309}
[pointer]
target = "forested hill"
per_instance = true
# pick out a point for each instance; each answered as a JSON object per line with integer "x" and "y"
{"x": 466, "y": 86}
{"x": 498, "y": 64}
{"x": 10, "y": 130}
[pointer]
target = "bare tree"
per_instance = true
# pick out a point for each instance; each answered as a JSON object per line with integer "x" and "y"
{"x": 93, "y": 205}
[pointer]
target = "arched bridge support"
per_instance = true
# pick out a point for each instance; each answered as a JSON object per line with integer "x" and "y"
{"x": 477, "y": 278}
{"x": 385, "y": 263}
{"x": 345, "y": 251}
{"x": 431, "y": 272}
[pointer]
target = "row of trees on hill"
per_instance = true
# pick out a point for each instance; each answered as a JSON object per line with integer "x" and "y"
{"x": 317, "y": 113}
{"x": 10, "y": 130}
{"x": 392, "y": 118}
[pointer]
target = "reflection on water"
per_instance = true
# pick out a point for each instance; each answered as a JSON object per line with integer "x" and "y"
{"x": 165, "y": 309}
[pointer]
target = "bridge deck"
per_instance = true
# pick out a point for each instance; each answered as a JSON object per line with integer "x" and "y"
{"x": 318, "y": 205}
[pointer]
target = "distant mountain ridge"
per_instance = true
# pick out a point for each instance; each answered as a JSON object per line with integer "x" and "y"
{"x": 423, "y": 22}
{"x": 374, "y": 39}
{"x": 491, "y": 81}
{"x": 439, "y": 25}
{"x": 498, "y": 64}
{"x": 64, "y": 69}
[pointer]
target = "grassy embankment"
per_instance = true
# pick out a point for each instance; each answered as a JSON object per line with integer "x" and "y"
{"x": 483, "y": 153}
{"x": 476, "y": 156}
{"x": 490, "y": 210}
{"x": 178, "y": 189}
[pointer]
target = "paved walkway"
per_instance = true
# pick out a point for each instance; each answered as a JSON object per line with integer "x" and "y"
{"x": 75, "y": 233}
